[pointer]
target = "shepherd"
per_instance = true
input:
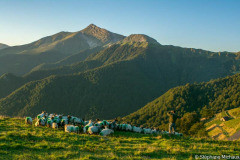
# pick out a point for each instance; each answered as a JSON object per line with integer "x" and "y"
{"x": 172, "y": 121}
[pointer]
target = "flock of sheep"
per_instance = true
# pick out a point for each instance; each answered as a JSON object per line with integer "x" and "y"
{"x": 77, "y": 125}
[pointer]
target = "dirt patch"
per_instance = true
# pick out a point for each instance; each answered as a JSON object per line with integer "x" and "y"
{"x": 236, "y": 136}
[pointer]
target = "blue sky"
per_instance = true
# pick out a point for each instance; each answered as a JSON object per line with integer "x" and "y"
{"x": 208, "y": 24}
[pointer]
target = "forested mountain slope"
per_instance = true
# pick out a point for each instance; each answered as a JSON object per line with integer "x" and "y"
{"x": 133, "y": 74}
{"x": 212, "y": 96}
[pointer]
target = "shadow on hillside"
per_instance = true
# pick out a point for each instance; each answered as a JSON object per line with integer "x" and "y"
{"x": 216, "y": 136}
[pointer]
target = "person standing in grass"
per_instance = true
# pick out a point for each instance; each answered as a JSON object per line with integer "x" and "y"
{"x": 172, "y": 121}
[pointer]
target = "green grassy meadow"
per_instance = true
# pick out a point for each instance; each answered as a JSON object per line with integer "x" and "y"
{"x": 21, "y": 141}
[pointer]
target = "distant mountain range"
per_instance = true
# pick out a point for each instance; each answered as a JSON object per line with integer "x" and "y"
{"x": 67, "y": 42}
{"x": 95, "y": 73}
{"x": 21, "y": 59}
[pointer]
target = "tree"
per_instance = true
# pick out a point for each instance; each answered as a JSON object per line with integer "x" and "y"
{"x": 187, "y": 121}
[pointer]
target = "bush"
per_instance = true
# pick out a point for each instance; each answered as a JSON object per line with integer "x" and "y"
{"x": 198, "y": 130}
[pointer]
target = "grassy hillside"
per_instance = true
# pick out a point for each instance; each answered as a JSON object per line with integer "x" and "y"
{"x": 214, "y": 95}
{"x": 21, "y": 141}
{"x": 225, "y": 130}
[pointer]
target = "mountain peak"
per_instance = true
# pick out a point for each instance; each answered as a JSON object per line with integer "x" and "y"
{"x": 139, "y": 38}
{"x": 92, "y": 26}
{"x": 101, "y": 34}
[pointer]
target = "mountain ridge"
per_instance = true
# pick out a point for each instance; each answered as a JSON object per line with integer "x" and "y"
{"x": 51, "y": 49}
{"x": 140, "y": 38}
{"x": 113, "y": 79}
{"x": 90, "y": 37}
{"x": 3, "y": 46}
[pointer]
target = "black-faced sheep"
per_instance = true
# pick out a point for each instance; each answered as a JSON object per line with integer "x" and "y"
{"x": 40, "y": 122}
{"x": 28, "y": 120}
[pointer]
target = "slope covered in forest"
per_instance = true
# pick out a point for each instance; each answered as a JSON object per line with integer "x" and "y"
{"x": 205, "y": 99}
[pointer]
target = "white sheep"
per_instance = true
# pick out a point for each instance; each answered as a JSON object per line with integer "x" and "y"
{"x": 28, "y": 120}
{"x": 147, "y": 131}
{"x": 76, "y": 120}
{"x": 165, "y": 132}
{"x": 137, "y": 129}
{"x": 178, "y": 134}
{"x": 93, "y": 129}
{"x": 106, "y": 132}
{"x": 128, "y": 127}
{"x": 69, "y": 128}
{"x": 122, "y": 127}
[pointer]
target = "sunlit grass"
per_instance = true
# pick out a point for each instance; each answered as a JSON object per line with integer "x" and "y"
{"x": 21, "y": 141}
